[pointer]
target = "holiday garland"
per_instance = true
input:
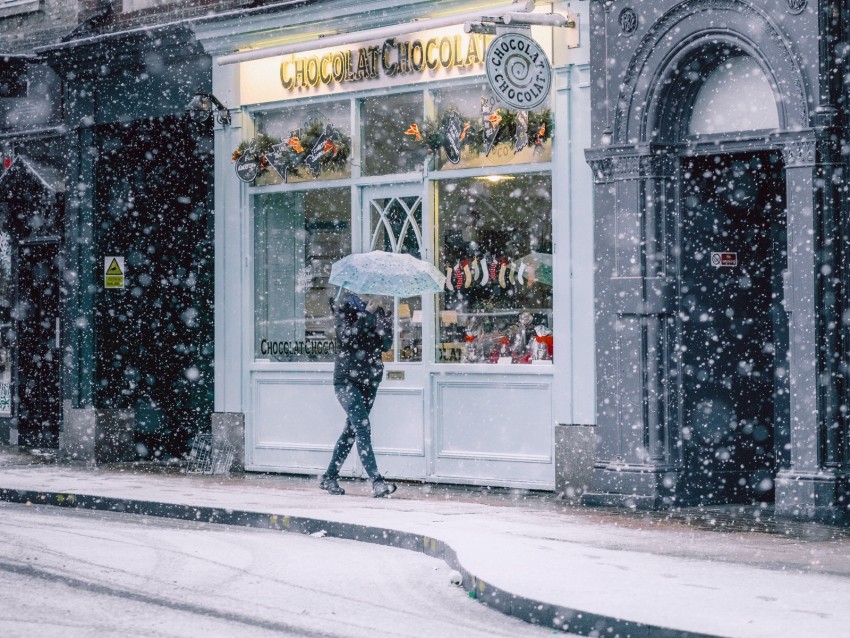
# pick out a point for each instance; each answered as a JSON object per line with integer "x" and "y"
{"x": 452, "y": 131}
{"x": 320, "y": 147}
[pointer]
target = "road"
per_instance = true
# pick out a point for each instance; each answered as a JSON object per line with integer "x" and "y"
{"x": 69, "y": 573}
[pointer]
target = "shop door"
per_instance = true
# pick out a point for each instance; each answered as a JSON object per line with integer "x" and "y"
{"x": 734, "y": 338}
{"x": 392, "y": 222}
{"x": 38, "y": 380}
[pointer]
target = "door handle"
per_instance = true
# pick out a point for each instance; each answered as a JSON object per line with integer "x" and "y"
{"x": 57, "y": 333}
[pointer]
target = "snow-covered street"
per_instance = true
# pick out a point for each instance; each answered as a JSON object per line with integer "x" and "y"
{"x": 77, "y": 573}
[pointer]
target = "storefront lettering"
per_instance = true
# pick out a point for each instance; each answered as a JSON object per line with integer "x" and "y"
{"x": 390, "y": 59}
{"x": 296, "y": 348}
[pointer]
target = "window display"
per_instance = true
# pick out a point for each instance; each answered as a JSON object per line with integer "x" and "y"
{"x": 385, "y": 119}
{"x": 493, "y": 233}
{"x": 495, "y": 245}
{"x": 472, "y": 130}
{"x": 298, "y": 145}
{"x": 298, "y": 235}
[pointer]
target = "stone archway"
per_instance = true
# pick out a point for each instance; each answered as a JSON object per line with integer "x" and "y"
{"x": 638, "y": 184}
{"x": 649, "y": 85}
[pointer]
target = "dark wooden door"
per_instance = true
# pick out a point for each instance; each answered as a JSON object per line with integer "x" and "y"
{"x": 734, "y": 338}
{"x": 39, "y": 355}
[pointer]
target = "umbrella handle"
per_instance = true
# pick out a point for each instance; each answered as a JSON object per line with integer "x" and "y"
{"x": 339, "y": 293}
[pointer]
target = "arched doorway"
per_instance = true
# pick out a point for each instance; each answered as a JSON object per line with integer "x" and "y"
{"x": 732, "y": 258}
{"x": 702, "y": 167}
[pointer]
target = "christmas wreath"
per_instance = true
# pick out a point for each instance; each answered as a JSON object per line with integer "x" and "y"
{"x": 451, "y": 131}
{"x": 320, "y": 147}
{"x": 255, "y": 150}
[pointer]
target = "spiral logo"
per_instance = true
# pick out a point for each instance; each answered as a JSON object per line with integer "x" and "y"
{"x": 518, "y": 71}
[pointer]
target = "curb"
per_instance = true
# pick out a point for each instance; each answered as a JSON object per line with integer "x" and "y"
{"x": 531, "y": 611}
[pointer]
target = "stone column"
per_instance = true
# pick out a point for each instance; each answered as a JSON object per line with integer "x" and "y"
{"x": 813, "y": 484}
{"x": 636, "y": 461}
{"x": 79, "y": 249}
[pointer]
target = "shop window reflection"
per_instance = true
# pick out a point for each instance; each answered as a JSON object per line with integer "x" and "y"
{"x": 297, "y": 238}
{"x": 495, "y": 246}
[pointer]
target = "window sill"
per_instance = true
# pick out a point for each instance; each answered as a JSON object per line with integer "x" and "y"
{"x": 16, "y": 8}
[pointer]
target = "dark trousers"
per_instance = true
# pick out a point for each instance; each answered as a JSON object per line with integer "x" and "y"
{"x": 357, "y": 402}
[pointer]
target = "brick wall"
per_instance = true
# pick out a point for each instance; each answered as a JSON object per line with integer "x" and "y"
{"x": 20, "y": 33}
{"x": 140, "y": 12}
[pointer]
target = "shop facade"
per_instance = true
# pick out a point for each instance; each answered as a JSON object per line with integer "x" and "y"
{"x": 110, "y": 368}
{"x": 395, "y": 142}
{"x": 721, "y": 260}
{"x": 32, "y": 200}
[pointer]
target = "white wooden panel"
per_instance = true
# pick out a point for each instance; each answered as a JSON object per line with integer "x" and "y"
{"x": 295, "y": 423}
{"x": 297, "y": 413}
{"x": 398, "y": 432}
{"x": 398, "y": 422}
{"x": 496, "y": 430}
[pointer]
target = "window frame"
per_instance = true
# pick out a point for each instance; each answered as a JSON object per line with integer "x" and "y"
{"x": 427, "y": 178}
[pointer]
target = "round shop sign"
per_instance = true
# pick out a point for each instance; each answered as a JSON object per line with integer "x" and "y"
{"x": 518, "y": 71}
{"x": 247, "y": 168}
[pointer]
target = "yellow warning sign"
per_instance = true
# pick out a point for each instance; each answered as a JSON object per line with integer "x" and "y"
{"x": 113, "y": 272}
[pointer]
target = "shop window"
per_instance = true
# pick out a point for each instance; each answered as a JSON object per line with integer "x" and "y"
{"x": 385, "y": 120}
{"x": 397, "y": 227}
{"x": 492, "y": 135}
{"x": 297, "y": 236}
{"x": 494, "y": 239}
{"x": 291, "y": 136}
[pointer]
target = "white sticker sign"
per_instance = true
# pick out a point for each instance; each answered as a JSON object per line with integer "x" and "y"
{"x": 518, "y": 71}
{"x": 724, "y": 260}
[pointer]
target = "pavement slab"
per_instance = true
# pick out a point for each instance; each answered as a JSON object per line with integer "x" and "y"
{"x": 588, "y": 569}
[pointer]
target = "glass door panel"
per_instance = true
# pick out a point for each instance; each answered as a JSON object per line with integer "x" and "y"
{"x": 395, "y": 225}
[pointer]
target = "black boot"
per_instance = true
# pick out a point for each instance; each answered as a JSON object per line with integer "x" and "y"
{"x": 381, "y": 488}
{"x": 331, "y": 486}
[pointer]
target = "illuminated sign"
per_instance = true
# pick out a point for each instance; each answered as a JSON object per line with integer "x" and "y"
{"x": 422, "y": 57}
{"x": 393, "y": 57}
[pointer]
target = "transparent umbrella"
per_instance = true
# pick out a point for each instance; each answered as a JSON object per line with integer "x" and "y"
{"x": 541, "y": 266}
{"x": 388, "y": 274}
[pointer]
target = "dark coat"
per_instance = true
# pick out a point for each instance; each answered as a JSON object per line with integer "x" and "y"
{"x": 361, "y": 337}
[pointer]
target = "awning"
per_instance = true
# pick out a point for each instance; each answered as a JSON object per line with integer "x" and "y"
{"x": 425, "y": 24}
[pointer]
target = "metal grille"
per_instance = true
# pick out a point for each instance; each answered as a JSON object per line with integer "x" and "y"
{"x": 210, "y": 457}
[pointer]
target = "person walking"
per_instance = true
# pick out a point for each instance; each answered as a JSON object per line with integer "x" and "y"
{"x": 363, "y": 332}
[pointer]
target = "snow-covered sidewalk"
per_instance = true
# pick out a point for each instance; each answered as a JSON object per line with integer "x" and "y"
{"x": 637, "y": 576}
